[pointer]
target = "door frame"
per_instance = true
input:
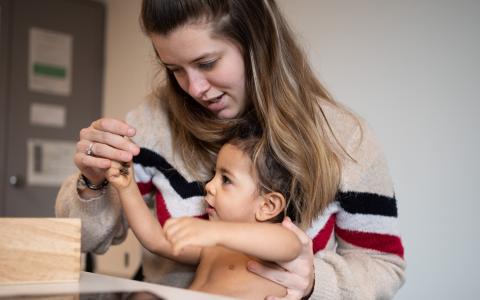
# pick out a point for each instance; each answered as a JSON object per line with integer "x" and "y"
{"x": 5, "y": 12}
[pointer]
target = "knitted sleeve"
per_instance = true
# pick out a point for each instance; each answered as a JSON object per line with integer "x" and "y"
{"x": 367, "y": 262}
{"x": 102, "y": 221}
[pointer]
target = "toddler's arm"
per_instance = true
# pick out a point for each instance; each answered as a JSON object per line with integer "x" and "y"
{"x": 145, "y": 226}
{"x": 266, "y": 241}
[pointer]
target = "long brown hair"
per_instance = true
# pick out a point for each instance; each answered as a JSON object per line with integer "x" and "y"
{"x": 285, "y": 93}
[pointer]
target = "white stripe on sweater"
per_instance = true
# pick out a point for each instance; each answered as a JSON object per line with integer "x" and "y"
{"x": 176, "y": 205}
{"x": 367, "y": 223}
{"x": 321, "y": 220}
{"x": 143, "y": 174}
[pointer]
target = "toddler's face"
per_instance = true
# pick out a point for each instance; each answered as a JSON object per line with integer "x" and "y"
{"x": 232, "y": 194}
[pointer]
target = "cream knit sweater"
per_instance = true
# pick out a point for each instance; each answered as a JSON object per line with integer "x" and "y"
{"x": 357, "y": 246}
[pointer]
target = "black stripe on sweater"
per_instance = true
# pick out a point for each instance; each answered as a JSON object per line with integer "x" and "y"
{"x": 185, "y": 189}
{"x": 367, "y": 203}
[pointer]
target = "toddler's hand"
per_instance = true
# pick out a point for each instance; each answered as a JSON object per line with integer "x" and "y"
{"x": 188, "y": 231}
{"x": 120, "y": 174}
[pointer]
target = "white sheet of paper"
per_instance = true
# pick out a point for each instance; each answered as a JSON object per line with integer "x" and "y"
{"x": 50, "y": 62}
{"x": 49, "y": 162}
{"x": 49, "y": 115}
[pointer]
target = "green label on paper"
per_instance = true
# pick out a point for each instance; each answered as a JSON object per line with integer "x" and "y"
{"x": 49, "y": 70}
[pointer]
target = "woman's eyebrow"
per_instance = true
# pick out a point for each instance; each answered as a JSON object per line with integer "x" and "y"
{"x": 201, "y": 57}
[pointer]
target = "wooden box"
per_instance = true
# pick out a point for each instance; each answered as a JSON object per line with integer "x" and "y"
{"x": 35, "y": 250}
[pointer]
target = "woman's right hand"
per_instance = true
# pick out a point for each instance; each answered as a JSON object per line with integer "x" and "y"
{"x": 105, "y": 138}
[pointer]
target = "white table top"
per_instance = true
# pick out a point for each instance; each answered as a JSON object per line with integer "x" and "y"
{"x": 91, "y": 282}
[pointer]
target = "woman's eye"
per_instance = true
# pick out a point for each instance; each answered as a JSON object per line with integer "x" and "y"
{"x": 174, "y": 70}
{"x": 207, "y": 65}
{"x": 225, "y": 180}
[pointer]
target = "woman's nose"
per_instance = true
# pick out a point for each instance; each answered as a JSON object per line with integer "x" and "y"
{"x": 198, "y": 85}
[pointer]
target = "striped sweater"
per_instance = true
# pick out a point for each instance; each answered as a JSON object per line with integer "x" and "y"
{"x": 357, "y": 246}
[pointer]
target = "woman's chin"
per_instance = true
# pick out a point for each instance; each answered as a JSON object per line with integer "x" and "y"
{"x": 226, "y": 114}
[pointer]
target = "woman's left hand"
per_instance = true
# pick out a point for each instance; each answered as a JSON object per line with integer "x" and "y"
{"x": 296, "y": 275}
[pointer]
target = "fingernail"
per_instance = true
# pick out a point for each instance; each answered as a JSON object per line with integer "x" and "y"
{"x": 131, "y": 131}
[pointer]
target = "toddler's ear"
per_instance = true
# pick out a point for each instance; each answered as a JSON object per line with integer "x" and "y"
{"x": 271, "y": 204}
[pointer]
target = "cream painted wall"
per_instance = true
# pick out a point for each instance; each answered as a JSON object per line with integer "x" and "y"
{"x": 412, "y": 69}
{"x": 129, "y": 59}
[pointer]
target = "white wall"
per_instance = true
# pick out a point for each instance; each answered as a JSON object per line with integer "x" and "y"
{"x": 412, "y": 69}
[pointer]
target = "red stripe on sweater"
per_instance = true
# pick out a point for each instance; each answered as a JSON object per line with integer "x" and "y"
{"x": 145, "y": 187}
{"x": 162, "y": 212}
{"x": 321, "y": 239}
{"x": 375, "y": 241}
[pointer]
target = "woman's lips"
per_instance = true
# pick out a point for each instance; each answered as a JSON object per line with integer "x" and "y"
{"x": 217, "y": 104}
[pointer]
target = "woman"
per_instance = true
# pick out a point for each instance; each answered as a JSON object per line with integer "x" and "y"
{"x": 224, "y": 60}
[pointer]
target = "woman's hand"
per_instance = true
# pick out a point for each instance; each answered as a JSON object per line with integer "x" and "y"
{"x": 102, "y": 142}
{"x": 296, "y": 275}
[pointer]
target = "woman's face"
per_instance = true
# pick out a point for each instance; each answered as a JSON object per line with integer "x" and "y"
{"x": 210, "y": 69}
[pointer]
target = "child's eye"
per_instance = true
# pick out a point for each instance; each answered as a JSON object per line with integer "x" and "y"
{"x": 225, "y": 180}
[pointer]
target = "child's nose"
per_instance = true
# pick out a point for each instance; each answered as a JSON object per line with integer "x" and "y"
{"x": 210, "y": 188}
